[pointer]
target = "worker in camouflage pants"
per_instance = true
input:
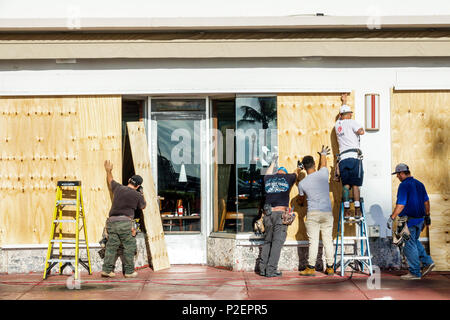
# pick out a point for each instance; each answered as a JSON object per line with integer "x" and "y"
{"x": 120, "y": 224}
{"x": 119, "y": 235}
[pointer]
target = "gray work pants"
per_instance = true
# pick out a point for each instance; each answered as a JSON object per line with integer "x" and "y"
{"x": 275, "y": 235}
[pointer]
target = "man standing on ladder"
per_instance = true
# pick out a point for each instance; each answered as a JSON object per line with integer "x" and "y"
{"x": 413, "y": 204}
{"x": 126, "y": 199}
{"x": 350, "y": 169}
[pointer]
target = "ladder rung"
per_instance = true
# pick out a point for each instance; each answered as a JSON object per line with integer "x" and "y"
{"x": 66, "y": 202}
{"x": 356, "y": 258}
{"x": 354, "y": 238}
{"x": 353, "y": 220}
{"x": 67, "y": 220}
{"x": 66, "y": 240}
{"x": 61, "y": 260}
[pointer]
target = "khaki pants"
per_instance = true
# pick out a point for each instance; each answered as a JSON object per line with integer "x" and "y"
{"x": 318, "y": 221}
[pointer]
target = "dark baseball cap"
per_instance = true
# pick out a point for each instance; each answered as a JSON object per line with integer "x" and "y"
{"x": 136, "y": 180}
{"x": 401, "y": 167}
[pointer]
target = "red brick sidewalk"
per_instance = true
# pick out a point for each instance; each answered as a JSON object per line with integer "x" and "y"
{"x": 195, "y": 282}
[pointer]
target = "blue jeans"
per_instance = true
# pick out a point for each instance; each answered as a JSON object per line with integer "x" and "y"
{"x": 415, "y": 252}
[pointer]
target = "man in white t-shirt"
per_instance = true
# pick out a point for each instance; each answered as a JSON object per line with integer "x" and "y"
{"x": 319, "y": 217}
{"x": 351, "y": 172}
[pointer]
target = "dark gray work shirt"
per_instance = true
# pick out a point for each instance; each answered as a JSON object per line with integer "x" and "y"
{"x": 125, "y": 201}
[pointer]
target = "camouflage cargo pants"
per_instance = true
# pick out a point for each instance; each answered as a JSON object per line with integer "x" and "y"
{"x": 119, "y": 232}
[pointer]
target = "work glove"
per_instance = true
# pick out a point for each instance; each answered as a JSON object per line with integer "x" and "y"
{"x": 325, "y": 151}
{"x": 274, "y": 157}
{"x": 389, "y": 223}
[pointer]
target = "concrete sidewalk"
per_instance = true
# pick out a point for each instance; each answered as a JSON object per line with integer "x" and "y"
{"x": 196, "y": 282}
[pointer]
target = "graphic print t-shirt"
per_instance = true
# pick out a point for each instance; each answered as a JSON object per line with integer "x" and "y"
{"x": 278, "y": 187}
{"x": 347, "y": 137}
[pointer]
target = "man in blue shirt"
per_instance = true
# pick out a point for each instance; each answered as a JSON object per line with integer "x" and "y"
{"x": 413, "y": 202}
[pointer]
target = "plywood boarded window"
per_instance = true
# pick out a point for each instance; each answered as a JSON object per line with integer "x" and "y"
{"x": 43, "y": 140}
{"x": 420, "y": 138}
{"x": 305, "y": 123}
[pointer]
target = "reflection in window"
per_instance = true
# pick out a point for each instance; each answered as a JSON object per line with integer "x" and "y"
{"x": 179, "y": 166}
{"x": 239, "y": 190}
{"x": 256, "y": 139}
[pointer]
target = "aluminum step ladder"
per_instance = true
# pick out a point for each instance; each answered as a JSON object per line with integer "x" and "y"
{"x": 69, "y": 188}
{"x": 361, "y": 256}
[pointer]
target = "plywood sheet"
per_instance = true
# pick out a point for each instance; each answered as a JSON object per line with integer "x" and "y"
{"x": 43, "y": 140}
{"x": 305, "y": 123}
{"x": 99, "y": 138}
{"x": 152, "y": 219}
{"x": 438, "y": 231}
{"x": 420, "y": 133}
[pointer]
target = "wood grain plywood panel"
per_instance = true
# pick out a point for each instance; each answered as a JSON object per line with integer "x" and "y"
{"x": 305, "y": 123}
{"x": 439, "y": 231}
{"x": 40, "y": 144}
{"x": 420, "y": 138}
{"x": 35, "y": 157}
{"x": 99, "y": 138}
{"x": 156, "y": 245}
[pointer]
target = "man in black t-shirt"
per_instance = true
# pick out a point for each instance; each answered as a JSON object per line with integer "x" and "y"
{"x": 277, "y": 188}
{"x": 126, "y": 199}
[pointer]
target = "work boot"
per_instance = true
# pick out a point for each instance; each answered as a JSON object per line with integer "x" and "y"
{"x": 427, "y": 269}
{"x": 108, "y": 275}
{"x": 346, "y": 212}
{"x": 309, "y": 271}
{"x": 131, "y": 275}
{"x": 358, "y": 212}
{"x": 275, "y": 274}
{"x": 329, "y": 271}
{"x": 409, "y": 276}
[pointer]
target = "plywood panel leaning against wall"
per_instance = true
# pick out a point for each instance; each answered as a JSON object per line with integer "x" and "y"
{"x": 43, "y": 140}
{"x": 155, "y": 241}
{"x": 420, "y": 138}
{"x": 305, "y": 123}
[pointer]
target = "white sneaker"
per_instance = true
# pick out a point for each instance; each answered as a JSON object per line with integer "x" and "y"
{"x": 409, "y": 276}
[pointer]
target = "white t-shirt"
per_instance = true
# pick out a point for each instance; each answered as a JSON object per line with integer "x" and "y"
{"x": 317, "y": 190}
{"x": 347, "y": 137}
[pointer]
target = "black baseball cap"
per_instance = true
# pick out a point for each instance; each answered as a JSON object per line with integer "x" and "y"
{"x": 136, "y": 180}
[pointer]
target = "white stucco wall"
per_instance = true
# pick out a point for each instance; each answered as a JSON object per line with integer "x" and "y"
{"x": 216, "y": 8}
{"x": 216, "y": 76}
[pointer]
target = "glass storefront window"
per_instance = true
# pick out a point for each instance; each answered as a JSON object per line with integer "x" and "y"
{"x": 256, "y": 139}
{"x": 251, "y": 123}
{"x": 178, "y": 149}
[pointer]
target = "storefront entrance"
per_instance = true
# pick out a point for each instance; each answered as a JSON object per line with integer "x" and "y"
{"x": 178, "y": 135}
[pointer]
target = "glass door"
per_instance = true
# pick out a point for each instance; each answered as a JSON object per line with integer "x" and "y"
{"x": 178, "y": 131}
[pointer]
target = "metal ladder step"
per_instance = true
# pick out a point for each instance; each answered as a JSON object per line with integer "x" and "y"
{"x": 66, "y": 202}
{"x": 356, "y": 257}
{"x": 64, "y": 220}
{"x": 62, "y": 260}
{"x": 355, "y": 238}
{"x": 66, "y": 241}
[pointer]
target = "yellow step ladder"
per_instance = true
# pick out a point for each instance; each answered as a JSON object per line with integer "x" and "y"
{"x": 68, "y": 193}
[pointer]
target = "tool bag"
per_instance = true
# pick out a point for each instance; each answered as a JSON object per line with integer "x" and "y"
{"x": 258, "y": 225}
{"x": 287, "y": 217}
{"x": 401, "y": 234}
